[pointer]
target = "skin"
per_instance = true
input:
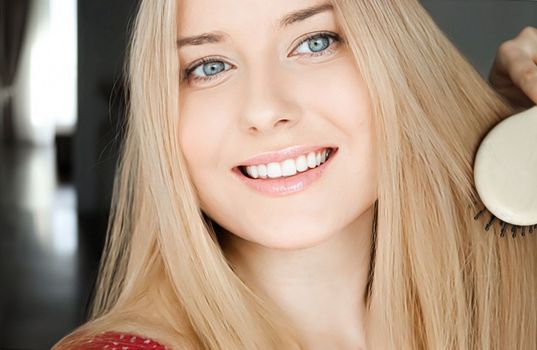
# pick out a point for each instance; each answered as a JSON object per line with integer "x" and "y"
{"x": 514, "y": 71}
{"x": 308, "y": 251}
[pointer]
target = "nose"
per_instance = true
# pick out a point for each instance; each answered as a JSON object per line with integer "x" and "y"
{"x": 269, "y": 104}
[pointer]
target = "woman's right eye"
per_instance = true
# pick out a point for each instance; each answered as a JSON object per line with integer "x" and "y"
{"x": 205, "y": 70}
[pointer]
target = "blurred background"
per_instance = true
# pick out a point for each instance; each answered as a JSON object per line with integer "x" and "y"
{"x": 61, "y": 107}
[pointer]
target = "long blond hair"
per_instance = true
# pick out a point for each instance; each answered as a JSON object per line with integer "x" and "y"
{"x": 439, "y": 281}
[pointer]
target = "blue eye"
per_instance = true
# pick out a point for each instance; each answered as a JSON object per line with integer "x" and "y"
{"x": 316, "y": 43}
{"x": 208, "y": 69}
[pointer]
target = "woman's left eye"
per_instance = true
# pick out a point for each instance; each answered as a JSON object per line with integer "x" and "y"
{"x": 317, "y": 44}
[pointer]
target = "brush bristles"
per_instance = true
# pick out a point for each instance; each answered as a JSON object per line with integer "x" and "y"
{"x": 504, "y": 225}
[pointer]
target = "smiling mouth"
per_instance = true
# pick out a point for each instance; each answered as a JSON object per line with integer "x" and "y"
{"x": 288, "y": 168}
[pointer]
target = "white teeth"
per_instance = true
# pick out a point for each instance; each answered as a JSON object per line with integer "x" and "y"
{"x": 253, "y": 172}
{"x": 288, "y": 167}
{"x": 312, "y": 160}
{"x": 301, "y": 163}
{"x": 262, "y": 170}
{"x": 274, "y": 170}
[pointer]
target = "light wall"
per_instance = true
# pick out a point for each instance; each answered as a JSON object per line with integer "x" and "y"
{"x": 45, "y": 89}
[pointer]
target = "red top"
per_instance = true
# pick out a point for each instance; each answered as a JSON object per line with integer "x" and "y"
{"x": 121, "y": 341}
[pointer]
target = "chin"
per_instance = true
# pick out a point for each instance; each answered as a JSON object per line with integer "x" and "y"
{"x": 292, "y": 239}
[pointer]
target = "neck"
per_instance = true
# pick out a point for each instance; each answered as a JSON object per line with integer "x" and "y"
{"x": 321, "y": 289}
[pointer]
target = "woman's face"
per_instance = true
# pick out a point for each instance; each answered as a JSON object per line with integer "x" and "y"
{"x": 270, "y": 81}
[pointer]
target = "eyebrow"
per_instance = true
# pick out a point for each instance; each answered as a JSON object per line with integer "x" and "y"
{"x": 293, "y": 17}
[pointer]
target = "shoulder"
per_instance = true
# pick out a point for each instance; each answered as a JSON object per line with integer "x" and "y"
{"x": 119, "y": 341}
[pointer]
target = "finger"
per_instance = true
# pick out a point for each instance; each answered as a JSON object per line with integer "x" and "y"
{"x": 508, "y": 52}
{"x": 527, "y": 41}
{"x": 525, "y": 77}
{"x": 515, "y": 67}
{"x": 525, "y": 73}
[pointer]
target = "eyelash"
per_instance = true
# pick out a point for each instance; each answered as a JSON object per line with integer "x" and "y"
{"x": 332, "y": 37}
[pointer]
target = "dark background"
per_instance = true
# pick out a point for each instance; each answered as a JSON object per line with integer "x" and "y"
{"x": 44, "y": 291}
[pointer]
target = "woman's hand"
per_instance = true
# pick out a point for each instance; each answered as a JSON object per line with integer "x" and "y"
{"x": 514, "y": 72}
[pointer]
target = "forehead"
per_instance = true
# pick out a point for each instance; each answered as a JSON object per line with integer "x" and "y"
{"x": 196, "y": 16}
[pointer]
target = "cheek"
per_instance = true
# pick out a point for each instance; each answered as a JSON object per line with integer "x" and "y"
{"x": 338, "y": 93}
{"x": 198, "y": 139}
{"x": 202, "y": 130}
{"x": 341, "y": 97}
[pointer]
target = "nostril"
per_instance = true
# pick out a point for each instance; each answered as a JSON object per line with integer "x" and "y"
{"x": 283, "y": 121}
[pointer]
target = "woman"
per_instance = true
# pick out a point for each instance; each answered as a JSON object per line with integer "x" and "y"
{"x": 367, "y": 240}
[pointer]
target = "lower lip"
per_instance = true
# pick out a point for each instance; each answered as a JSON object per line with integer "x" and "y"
{"x": 283, "y": 186}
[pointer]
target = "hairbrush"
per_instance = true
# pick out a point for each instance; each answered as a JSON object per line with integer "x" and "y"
{"x": 505, "y": 174}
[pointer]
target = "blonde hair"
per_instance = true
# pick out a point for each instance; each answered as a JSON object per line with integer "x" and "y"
{"x": 439, "y": 281}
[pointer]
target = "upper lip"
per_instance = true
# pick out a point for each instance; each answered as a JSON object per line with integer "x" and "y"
{"x": 283, "y": 154}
